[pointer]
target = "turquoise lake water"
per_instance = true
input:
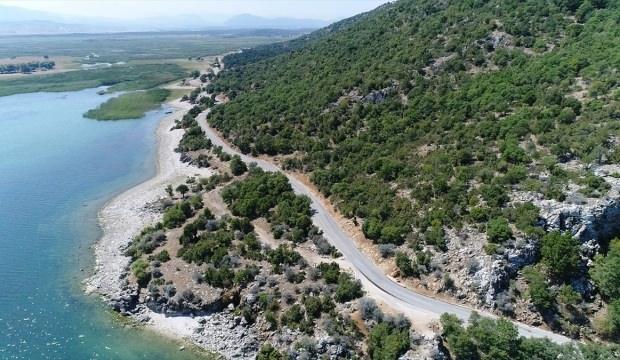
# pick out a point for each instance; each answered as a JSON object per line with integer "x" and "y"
{"x": 56, "y": 171}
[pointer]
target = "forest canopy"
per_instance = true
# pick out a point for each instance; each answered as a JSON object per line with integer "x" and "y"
{"x": 426, "y": 114}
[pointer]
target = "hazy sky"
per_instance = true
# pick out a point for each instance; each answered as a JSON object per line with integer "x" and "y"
{"x": 132, "y": 9}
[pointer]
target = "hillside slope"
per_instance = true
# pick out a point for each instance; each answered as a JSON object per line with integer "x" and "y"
{"x": 442, "y": 125}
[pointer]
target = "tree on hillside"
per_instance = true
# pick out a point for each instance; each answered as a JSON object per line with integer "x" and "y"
{"x": 538, "y": 289}
{"x": 610, "y": 325}
{"x": 405, "y": 266}
{"x": 498, "y": 230}
{"x": 388, "y": 342}
{"x": 560, "y": 253}
{"x": 606, "y": 271}
{"x": 237, "y": 166}
{"x": 182, "y": 189}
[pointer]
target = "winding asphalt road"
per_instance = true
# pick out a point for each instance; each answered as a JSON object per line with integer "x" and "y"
{"x": 392, "y": 293}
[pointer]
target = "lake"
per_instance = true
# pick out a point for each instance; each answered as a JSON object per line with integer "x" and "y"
{"x": 57, "y": 169}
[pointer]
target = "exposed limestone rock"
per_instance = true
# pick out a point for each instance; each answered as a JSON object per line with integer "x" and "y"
{"x": 478, "y": 276}
{"x": 499, "y": 39}
{"x": 491, "y": 280}
{"x": 126, "y": 299}
{"x": 588, "y": 219}
{"x": 186, "y": 158}
{"x": 224, "y": 333}
{"x": 426, "y": 348}
{"x": 182, "y": 304}
{"x": 378, "y": 96}
{"x": 524, "y": 252}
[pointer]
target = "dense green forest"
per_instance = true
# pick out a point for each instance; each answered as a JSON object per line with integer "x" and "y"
{"x": 485, "y": 114}
{"x": 425, "y": 115}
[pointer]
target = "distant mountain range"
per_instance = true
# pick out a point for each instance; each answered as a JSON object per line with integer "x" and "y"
{"x": 248, "y": 21}
{"x": 27, "y": 27}
{"x": 19, "y": 21}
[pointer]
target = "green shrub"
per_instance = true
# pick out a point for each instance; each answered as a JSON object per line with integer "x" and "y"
{"x": 219, "y": 278}
{"x": 146, "y": 242}
{"x": 163, "y": 256}
{"x": 315, "y": 305}
{"x": 283, "y": 255}
{"x": 176, "y": 215}
{"x": 606, "y": 271}
{"x": 237, "y": 166}
{"x": 498, "y": 230}
{"x": 388, "y": 342}
{"x": 595, "y": 186}
{"x": 525, "y": 216}
{"x": 539, "y": 291}
{"x": 435, "y": 235}
{"x": 140, "y": 269}
{"x": 257, "y": 194}
{"x": 499, "y": 339}
{"x": 348, "y": 288}
{"x": 610, "y": 325}
{"x": 330, "y": 272}
{"x": 560, "y": 253}
{"x": 512, "y": 153}
{"x": 404, "y": 264}
{"x": 293, "y": 317}
{"x": 494, "y": 195}
{"x": 491, "y": 248}
{"x": 479, "y": 214}
{"x": 268, "y": 352}
{"x": 568, "y": 296}
{"x": 196, "y": 202}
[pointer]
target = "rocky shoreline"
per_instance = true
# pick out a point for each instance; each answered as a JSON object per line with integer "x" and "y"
{"x": 212, "y": 321}
{"x": 124, "y": 217}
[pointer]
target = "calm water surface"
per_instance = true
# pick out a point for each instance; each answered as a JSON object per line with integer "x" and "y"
{"x": 56, "y": 171}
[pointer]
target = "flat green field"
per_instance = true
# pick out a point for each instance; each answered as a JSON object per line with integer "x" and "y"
{"x": 112, "y": 48}
{"x": 119, "y": 78}
{"x": 125, "y": 61}
{"x": 132, "y": 105}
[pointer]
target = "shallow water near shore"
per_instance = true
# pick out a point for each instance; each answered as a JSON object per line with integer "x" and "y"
{"x": 57, "y": 170}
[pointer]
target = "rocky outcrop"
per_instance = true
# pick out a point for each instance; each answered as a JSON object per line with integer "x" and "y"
{"x": 523, "y": 253}
{"x": 480, "y": 277}
{"x": 126, "y": 300}
{"x": 426, "y": 348}
{"x": 228, "y": 334}
{"x": 183, "y": 304}
{"x": 588, "y": 219}
{"x": 186, "y": 158}
{"x": 498, "y": 39}
{"x": 491, "y": 280}
{"x": 378, "y": 96}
